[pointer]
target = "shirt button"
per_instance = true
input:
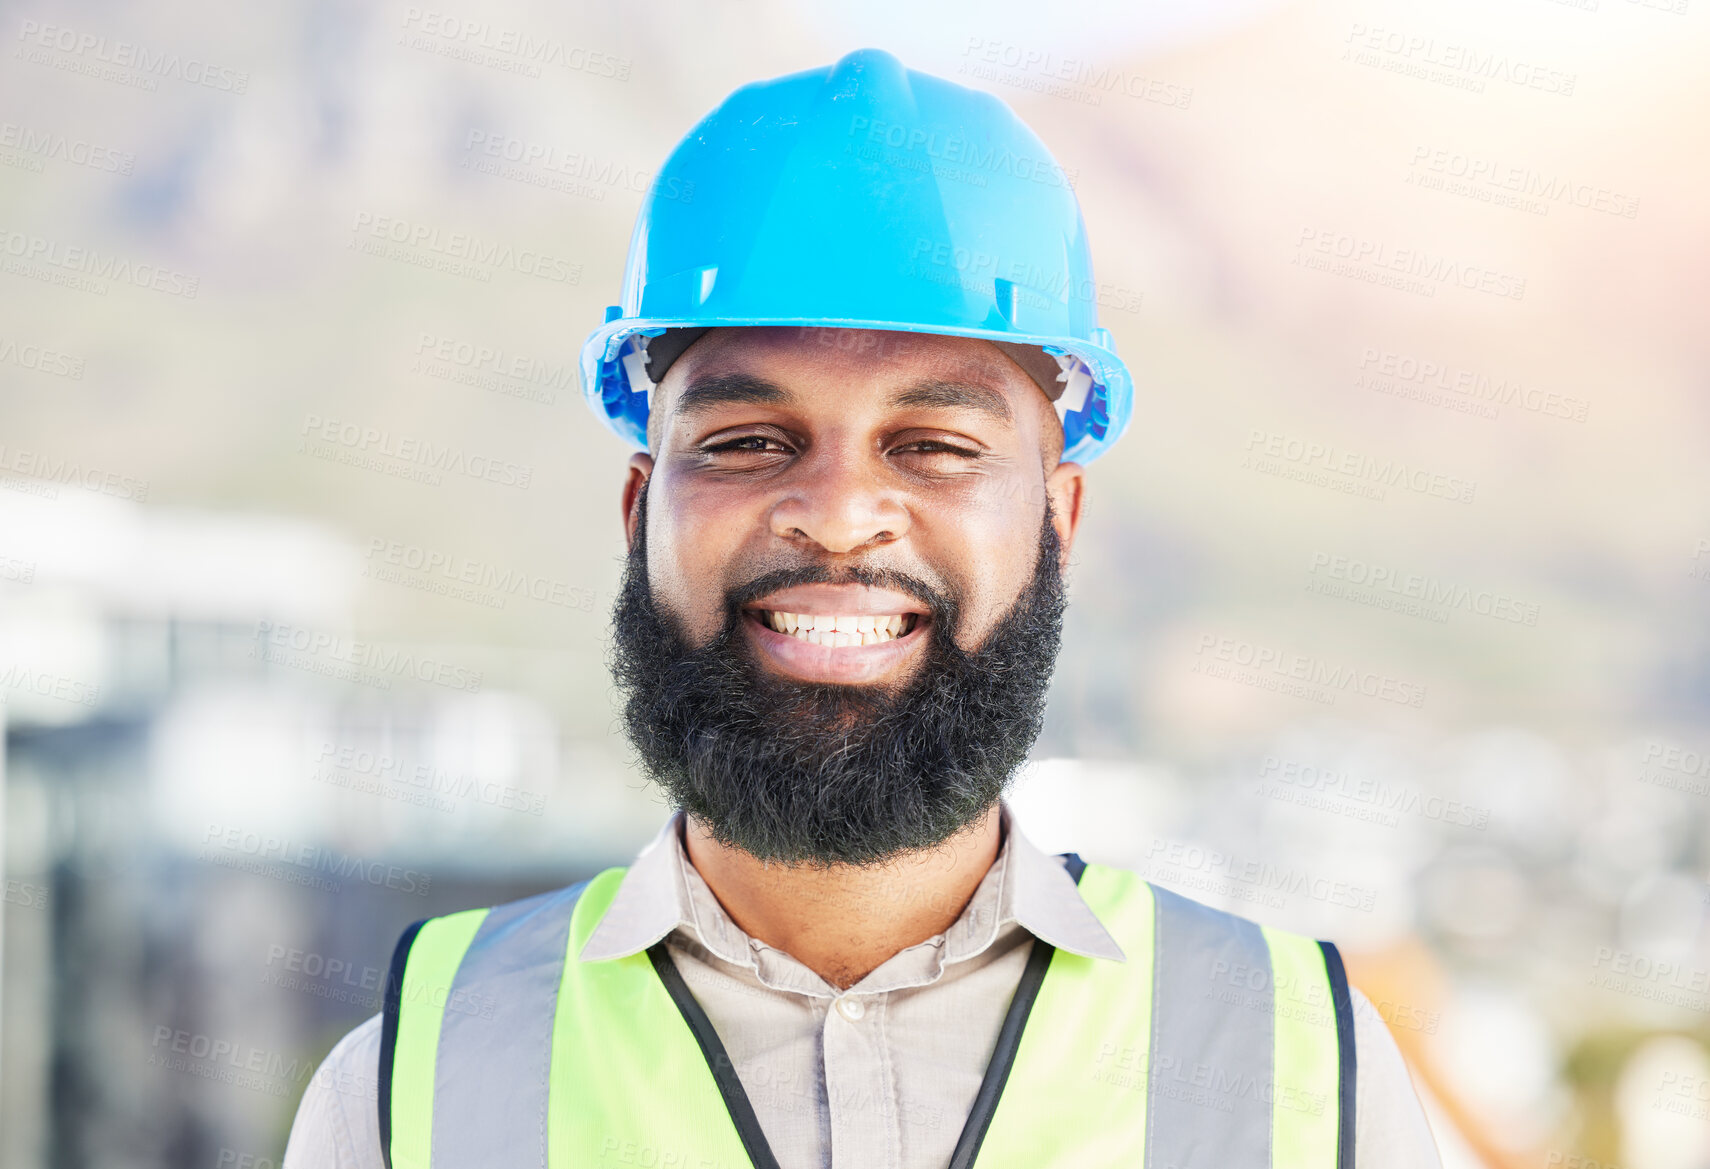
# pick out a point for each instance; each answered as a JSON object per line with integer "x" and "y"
{"x": 851, "y": 1009}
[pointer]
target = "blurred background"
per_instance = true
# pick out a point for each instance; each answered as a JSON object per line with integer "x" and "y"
{"x": 1388, "y": 618}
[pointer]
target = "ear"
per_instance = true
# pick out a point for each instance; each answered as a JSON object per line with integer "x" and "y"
{"x": 640, "y": 469}
{"x": 1066, "y": 487}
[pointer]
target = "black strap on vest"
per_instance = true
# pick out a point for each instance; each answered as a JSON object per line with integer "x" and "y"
{"x": 391, "y": 1005}
{"x": 741, "y": 1109}
{"x": 1072, "y": 861}
{"x": 736, "y": 1100}
{"x": 1344, "y": 1004}
{"x": 1009, "y": 1040}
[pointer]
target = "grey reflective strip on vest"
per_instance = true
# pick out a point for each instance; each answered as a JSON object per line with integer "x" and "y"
{"x": 1209, "y": 1084}
{"x": 495, "y": 1044}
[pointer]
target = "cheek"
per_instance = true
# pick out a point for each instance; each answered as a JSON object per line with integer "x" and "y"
{"x": 690, "y": 542}
{"x": 991, "y": 544}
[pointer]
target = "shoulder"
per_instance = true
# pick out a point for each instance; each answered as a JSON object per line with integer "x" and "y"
{"x": 1390, "y": 1125}
{"x": 532, "y": 926}
{"x": 1391, "y": 1129}
{"x": 337, "y": 1125}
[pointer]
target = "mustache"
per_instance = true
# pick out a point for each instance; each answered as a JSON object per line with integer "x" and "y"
{"x": 944, "y": 605}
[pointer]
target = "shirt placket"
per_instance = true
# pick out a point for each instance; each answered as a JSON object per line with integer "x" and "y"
{"x": 859, "y": 1084}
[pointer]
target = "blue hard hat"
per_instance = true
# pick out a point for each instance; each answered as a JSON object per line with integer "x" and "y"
{"x": 865, "y": 195}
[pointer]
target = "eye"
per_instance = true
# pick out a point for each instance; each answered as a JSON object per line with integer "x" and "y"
{"x": 745, "y": 444}
{"x": 933, "y": 446}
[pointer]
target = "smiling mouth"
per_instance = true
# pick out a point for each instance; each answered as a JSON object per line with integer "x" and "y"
{"x": 839, "y": 630}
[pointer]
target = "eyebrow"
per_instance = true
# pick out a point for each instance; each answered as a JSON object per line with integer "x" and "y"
{"x": 703, "y": 394}
{"x": 955, "y": 395}
{"x": 736, "y": 388}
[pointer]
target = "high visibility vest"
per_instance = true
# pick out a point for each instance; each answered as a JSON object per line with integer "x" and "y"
{"x": 1218, "y": 1044}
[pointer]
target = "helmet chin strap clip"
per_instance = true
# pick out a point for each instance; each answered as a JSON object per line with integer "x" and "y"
{"x": 1077, "y": 383}
{"x": 634, "y": 358}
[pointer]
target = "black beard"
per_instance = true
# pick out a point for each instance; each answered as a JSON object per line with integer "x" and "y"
{"x": 828, "y": 773}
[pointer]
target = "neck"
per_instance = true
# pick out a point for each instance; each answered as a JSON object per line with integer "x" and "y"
{"x": 842, "y": 921}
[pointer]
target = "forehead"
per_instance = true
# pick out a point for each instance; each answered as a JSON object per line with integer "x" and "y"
{"x": 853, "y": 348}
{"x": 852, "y": 357}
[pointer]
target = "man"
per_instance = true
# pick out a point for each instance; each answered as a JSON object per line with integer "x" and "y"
{"x": 862, "y": 360}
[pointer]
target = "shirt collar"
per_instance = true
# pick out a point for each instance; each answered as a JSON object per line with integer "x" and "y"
{"x": 1034, "y": 890}
{"x": 1042, "y": 896}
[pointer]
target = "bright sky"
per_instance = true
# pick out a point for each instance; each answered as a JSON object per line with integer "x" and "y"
{"x": 938, "y": 35}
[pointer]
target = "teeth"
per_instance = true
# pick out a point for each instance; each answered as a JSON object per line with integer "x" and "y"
{"x": 838, "y": 630}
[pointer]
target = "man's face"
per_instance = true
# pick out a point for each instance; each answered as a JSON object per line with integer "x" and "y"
{"x": 806, "y": 481}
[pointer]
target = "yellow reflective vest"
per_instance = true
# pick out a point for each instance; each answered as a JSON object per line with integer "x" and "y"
{"x": 1219, "y": 1044}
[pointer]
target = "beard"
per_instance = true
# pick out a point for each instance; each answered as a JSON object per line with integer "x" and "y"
{"x": 823, "y": 773}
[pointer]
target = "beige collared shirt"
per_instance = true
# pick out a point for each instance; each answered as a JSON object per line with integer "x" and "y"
{"x": 879, "y": 1076}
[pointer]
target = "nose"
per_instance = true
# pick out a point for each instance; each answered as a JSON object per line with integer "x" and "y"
{"x": 841, "y": 504}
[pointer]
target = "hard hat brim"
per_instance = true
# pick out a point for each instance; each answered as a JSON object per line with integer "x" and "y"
{"x": 606, "y": 382}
